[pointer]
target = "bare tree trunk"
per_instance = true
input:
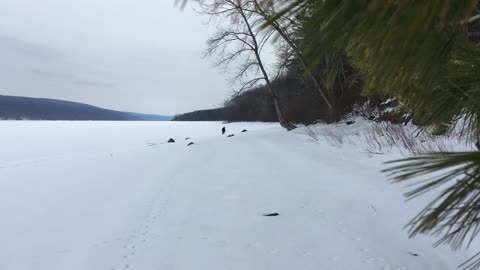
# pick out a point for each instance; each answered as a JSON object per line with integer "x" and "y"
{"x": 281, "y": 117}
{"x": 276, "y": 101}
{"x": 299, "y": 54}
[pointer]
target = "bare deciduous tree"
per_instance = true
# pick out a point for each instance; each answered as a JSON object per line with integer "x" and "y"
{"x": 266, "y": 10}
{"x": 239, "y": 42}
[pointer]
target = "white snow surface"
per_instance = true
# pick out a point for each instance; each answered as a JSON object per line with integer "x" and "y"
{"x": 114, "y": 195}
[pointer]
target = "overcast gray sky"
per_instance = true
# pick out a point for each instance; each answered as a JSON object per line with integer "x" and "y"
{"x": 132, "y": 55}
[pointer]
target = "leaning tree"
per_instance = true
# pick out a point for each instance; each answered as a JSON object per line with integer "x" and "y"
{"x": 238, "y": 44}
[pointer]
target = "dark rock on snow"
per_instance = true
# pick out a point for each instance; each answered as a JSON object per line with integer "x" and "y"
{"x": 244, "y": 130}
{"x": 190, "y": 144}
{"x": 350, "y": 122}
{"x": 171, "y": 140}
{"x": 271, "y": 215}
{"x": 223, "y": 130}
{"x": 231, "y": 135}
{"x": 187, "y": 138}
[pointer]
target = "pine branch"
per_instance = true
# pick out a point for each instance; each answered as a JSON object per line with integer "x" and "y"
{"x": 453, "y": 215}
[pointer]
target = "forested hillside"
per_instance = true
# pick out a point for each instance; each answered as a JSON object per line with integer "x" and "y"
{"x": 300, "y": 104}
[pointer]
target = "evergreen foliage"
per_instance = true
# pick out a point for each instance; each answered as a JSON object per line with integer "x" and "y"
{"x": 423, "y": 53}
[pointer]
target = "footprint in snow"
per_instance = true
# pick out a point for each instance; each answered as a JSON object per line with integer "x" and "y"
{"x": 224, "y": 243}
{"x": 333, "y": 259}
{"x": 369, "y": 261}
{"x": 274, "y": 251}
{"x": 303, "y": 253}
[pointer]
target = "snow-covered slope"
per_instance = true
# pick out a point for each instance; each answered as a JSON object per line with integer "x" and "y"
{"x": 114, "y": 195}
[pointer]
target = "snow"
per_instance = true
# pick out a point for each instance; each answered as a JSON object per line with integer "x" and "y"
{"x": 114, "y": 195}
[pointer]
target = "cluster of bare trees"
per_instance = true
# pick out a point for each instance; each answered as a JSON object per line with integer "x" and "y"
{"x": 240, "y": 40}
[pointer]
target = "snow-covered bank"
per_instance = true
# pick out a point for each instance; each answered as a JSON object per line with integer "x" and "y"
{"x": 113, "y": 195}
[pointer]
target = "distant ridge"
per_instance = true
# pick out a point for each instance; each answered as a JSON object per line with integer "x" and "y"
{"x": 152, "y": 117}
{"x": 27, "y": 108}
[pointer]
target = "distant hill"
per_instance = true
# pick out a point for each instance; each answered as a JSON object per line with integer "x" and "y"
{"x": 152, "y": 117}
{"x": 219, "y": 114}
{"x": 26, "y": 108}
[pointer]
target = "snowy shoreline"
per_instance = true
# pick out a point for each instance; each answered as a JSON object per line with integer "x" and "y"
{"x": 94, "y": 195}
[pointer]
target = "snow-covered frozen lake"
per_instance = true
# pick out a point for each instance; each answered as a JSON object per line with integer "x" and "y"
{"x": 113, "y": 195}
